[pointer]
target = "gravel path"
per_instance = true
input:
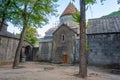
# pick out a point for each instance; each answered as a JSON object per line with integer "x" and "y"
{"x": 47, "y": 71}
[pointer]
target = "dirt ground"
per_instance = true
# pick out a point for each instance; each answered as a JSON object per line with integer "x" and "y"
{"x": 47, "y": 71}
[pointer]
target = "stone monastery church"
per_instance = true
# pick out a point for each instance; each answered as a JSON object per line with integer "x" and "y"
{"x": 61, "y": 44}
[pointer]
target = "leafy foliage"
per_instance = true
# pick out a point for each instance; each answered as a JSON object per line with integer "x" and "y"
{"x": 90, "y": 2}
{"x": 36, "y": 13}
{"x": 30, "y": 35}
{"x": 5, "y": 7}
{"x": 5, "y": 11}
{"x": 76, "y": 16}
{"x": 33, "y": 13}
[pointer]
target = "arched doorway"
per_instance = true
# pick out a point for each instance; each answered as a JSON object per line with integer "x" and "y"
{"x": 28, "y": 53}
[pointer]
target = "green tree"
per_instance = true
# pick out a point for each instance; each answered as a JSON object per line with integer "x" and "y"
{"x": 80, "y": 18}
{"x": 5, "y": 13}
{"x": 76, "y": 17}
{"x": 83, "y": 55}
{"x": 30, "y": 35}
{"x": 33, "y": 13}
{"x": 82, "y": 50}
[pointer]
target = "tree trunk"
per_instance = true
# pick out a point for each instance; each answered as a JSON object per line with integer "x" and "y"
{"x": 21, "y": 41}
{"x": 82, "y": 52}
{"x": 17, "y": 53}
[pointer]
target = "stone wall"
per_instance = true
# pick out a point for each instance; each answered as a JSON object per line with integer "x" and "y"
{"x": 35, "y": 52}
{"x": 45, "y": 51}
{"x": 76, "y": 51}
{"x": 104, "y": 49}
{"x": 7, "y": 48}
{"x": 63, "y": 45}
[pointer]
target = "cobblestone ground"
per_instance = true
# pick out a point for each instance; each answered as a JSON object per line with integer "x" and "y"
{"x": 47, "y": 71}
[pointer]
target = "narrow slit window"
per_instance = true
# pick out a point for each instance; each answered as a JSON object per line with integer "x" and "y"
{"x": 62, "y": 37}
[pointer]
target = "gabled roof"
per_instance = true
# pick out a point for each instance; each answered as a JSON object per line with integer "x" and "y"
{"x": 51, "y": 30}
{"x": 104, "y": 25}
{"x": 70, "y": 9}
{"x": 64, "y": 25}
{"x": 8, "y": 34}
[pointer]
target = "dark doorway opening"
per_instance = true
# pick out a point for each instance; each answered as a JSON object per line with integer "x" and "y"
{"x": 28, "y": 53}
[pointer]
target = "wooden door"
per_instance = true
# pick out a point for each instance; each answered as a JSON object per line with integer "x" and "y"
{"x": 65, "y": 58}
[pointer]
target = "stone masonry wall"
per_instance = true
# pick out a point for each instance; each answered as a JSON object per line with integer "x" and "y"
{"x": 62, "y": 46}
{"x": 7, "y": 49}
{"x": 45, "y": 50}
{"x": 104, "y": 49}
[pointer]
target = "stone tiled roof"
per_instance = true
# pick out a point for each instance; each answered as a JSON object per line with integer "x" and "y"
{"x": 50, "y": 31}
{"x": 104, "y": 25}
{"x": 70, "y": 9}
{"x": 8, "y": 34}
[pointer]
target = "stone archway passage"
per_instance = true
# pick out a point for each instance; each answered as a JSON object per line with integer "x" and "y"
{"x": 28, "y": 53}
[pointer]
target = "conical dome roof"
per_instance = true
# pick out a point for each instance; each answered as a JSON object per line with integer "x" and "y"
{"x": 70, "y": 9}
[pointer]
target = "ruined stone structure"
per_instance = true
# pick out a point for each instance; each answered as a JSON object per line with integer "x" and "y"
{"x": 103, "y": 37}
{"x": 8, "y": 45}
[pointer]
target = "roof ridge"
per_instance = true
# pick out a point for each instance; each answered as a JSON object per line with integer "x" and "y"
{"x": 70, "y": 9}
{"x": 105, "y": 17}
